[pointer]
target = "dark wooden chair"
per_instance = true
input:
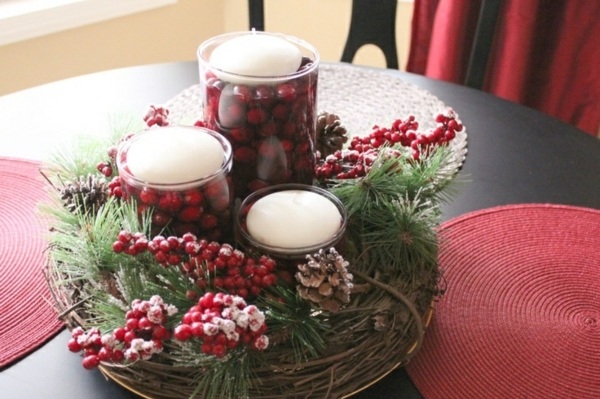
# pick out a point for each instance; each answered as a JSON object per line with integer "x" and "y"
{"x": 374, "y": 22}
{"x": 482, "y": 43}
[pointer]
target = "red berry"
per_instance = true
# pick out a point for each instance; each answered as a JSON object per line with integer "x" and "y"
{"x": 148, "y": 196}
{"x": 119, "y": 333}
{"x": 118, "y": 247}
{"x": 105, "y": 354}
{"x": 281, "y": 112}
{"x": 242, "y": 93}
{"x": 256, "y": 116}
{"x": 244, "y": 154}
{"x": 197, "y": 329}
{"x": 193, "y": 197}
{"x": 173, "y": 259}
{"x": 144, "y": 323}
{"x": 286, "y": 92}
{"x": 219, "y": 350}
{"x": 74, "y": 346}
{"x": 242, "y": 134}
{"x": 190, "y": 213}
{"x": 268, "y": 280}
{"x": 160, "y": 332}
{"x": 132, "y": 324}
{"x": 90, "y": 362}
{"x": 263, "y": 95}
{"x": 208, "y": 221}
{"x": 160, "y": 218}
{"x": 117, "y": 355}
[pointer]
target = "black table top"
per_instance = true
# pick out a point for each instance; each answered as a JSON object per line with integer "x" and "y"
{"x": 515, "y": 155}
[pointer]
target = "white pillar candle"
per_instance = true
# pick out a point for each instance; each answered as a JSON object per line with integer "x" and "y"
{"x": 255, "y": 55}
{"x": 293, "y": 219}
{"x": 174, "y": 155}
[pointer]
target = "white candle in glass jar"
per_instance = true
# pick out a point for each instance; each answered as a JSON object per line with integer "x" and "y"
{"x": 255, "y": 55}
{"x": 293, "y": 219}
{"x": 174, "y": 155}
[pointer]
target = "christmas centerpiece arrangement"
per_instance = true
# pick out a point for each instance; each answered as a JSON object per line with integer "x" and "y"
{"x": 261, "y": 251}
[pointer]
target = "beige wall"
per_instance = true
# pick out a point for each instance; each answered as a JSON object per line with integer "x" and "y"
{"x": 173, "y": 33}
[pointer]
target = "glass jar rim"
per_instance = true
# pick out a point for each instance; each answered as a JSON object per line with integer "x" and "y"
{"x": 225, "y": 166}
{"x": 266, "y": 79}
{"x": 281, "y": 251}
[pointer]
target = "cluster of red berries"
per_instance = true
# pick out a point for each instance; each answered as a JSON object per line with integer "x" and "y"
{"x": 352, "y": 164}
{"x": 222, "y": 322}
{"x": 140, "y": 338}
{"x": 157, "y": 116}
{"x": 208, "y": 264}
{"x": 114, "y": 187}
{"x": 266, "y": 126}
{"x": 362, "y": 151}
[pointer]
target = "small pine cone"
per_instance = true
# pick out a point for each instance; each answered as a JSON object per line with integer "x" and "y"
{"x": 331, "y": 134}
{"x": 86, "y": 194}
{"x": 325, "y": 280}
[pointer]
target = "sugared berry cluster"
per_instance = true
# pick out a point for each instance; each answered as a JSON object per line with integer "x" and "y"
{"x": 140, "y": 338}
{"x": 362, "y": 151}
{"x": 222, "y": 322}
{"x": 208, "y": 264}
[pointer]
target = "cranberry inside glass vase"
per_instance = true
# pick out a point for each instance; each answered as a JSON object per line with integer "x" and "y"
{"x": 259, "y": 90}
{"x": 182, "y": 176}
{"x": 290, "y": 221}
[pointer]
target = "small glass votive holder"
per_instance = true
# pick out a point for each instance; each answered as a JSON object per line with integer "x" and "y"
{"x": 288, "y": 222}
{"x": 181, "y": 174}
{"x": 259, "y": 90}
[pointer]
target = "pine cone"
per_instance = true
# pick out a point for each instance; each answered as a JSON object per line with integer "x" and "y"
{"x": 325, "y": 280}
{"x": 331, "y": 134}
{"x": 87, "y": 193}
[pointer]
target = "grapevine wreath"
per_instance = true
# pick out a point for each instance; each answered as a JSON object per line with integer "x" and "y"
{"x": 172, "y": 315}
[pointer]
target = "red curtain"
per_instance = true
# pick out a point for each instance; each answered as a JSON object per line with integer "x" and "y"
{"x": 546, "y": 53}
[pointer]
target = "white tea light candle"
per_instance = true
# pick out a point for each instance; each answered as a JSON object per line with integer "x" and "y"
{"x": 293, "y": 219}
{"x": 255, "y": 55}
{"x": 173, "y": 155}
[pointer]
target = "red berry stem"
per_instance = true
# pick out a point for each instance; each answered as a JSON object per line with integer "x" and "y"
{"x": 141, "y": 337}
{"x": 358, "y": 158}
{"x": 210, "y": 265}
{"x": 222, "y": 322}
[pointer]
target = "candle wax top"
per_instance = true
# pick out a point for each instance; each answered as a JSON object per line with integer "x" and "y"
{"x": 293, "y": 219}
{"x": 256, "y": 55}
{"x": 174, "y": 155}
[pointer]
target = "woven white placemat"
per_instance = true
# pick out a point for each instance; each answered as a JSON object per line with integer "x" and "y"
{"x": 361, "y": 97}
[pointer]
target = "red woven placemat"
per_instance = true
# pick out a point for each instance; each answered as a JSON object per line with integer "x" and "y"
{"x": 27, "y": 318}
{"x": 521, "y": 316}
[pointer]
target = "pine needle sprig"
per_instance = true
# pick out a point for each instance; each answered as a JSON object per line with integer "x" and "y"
{"x": 215, "y": 378}
{"x": 227, "y": 379}
{"x": 294, "y": 323}
{"x": 401, "y": 236}
{"x": 82, "y": 243}
{"x": 391, "y": 177}
{"x": 81, "y": 157}
{"x": 393, "y": 213}
{"x": 149, "y": 278}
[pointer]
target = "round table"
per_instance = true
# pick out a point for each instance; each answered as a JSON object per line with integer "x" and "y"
{"x": 515, "y": 155}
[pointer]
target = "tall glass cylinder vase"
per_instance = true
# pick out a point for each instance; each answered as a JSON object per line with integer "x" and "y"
{"x": 259, "y": 90}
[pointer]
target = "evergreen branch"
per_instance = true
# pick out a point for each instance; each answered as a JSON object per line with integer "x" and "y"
{"x": 292, "y": 321}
